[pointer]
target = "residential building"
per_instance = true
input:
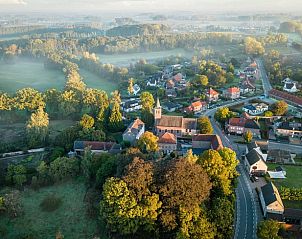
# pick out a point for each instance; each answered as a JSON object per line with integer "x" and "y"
{"x": 196, "y": 107}
{"x": 289, "y": 98}
{"x": 247, "y": 87}
{"x": 260, "y": 146}
{"x": 167, "y": 143}
{"x": 134, "y": 131}
{"x": 171, "y": 106}
{"x": 250, "y": 71}
{"x": 256, "y": 108}
{"x": 176, "y": 125}
{"x": 232, "y": 93}
{"x": 241, "y": 125}
{"x": 271, "y": 202}
{"x": 290, "y": 85}
{"x": 96, "y": 147}
{"x": 136, "y": 89}
{"x": 131, "y": 105}
{"x": 202, "y": 142}
{"x": 212, "y": 95}
{"x": 254, "y": 163}
{"x": 290, "y": 129}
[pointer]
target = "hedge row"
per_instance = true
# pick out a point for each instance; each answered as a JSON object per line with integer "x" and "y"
{"x": 292, "y": 194}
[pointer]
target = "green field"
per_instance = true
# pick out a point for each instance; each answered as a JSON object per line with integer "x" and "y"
{"x": 126, "y": 59}
{"x": 33, "y": 74}
{"x": 293, "y": 176}
{"x": 70, "y": 218}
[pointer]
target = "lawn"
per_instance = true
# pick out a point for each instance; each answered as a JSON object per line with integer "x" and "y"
{"x": 33, "y": 74}
{"x": 293, "y": 176}
{"x": 292, "y": 204}
{"x": 69, "y": 218}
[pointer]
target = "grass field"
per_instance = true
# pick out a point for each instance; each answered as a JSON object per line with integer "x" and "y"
{"x": 127, "y": 59}
{"x": 293, "y": 176}
{"x": 69, "y": 218}
{"x": 33, "y": 74}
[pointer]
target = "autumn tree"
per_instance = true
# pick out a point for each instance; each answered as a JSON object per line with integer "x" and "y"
{"x": 147, "y": 102}
{"x": 269, "y": 229}
{"x": 279, "y": 108}
{"x": 87, "y": 122}
{"x": 130, "y": 86}
{"x": 28, "y": 99}
{"x": 223, "y": 114}
{"x": 37, "y": 127}
{"x": 204, "y": 125}
{"x": 247, "y": 136}
{"x": 148, "y": 142}
{"x": 253, "y": 47}
{"x": 74, "y": 82}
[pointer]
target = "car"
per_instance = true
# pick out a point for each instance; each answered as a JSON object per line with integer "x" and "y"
{"x": 252, "y": 179}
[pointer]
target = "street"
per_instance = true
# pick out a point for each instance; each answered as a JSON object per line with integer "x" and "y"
{"x": 263, "y": 76}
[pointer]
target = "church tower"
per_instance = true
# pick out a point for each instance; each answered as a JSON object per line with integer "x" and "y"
{"x": 157, "y": 110}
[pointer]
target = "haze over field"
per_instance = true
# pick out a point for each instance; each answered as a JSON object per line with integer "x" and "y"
{"x": 154, "y": 5}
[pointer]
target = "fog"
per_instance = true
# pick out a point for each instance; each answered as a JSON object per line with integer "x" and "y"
{"x": 236, "y": 6}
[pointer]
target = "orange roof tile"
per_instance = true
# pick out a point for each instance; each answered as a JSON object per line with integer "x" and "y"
{"x": 167, "y": 138}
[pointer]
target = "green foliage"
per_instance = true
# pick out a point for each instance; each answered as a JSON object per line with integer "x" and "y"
{"x": 50, "y": 203}
{"x": 115, "y": 120}
{"x": 215, "y": 74}
{"x": 248, "y": 136}
{"x": 147, "y": 101}
{"x": 292, "y": 194}
{"x": 16, "y": 175}
{"x": 67, "y": 137}
{"x": 148, "y": 118}
{"x": 148, "y": 142}
{"x": 106, "y": 170}
{"x": 223, "y": 114}
{"x": 204, "y": 125}
{"x": 63, "y": 168}
{"x": 269, "y": 229}
{"x": 43, "y": 173}
{"x": 268, "y": 114}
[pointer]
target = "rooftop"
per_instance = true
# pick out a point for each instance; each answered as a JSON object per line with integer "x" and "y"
{"x": 270, "y": 194}
{"x": 215, "y": 140}
{"x": 167, "y": 138}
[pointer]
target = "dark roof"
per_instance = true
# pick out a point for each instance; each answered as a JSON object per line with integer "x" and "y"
{"x": 286, "y": 96}
{"x": 293, "y": 213}
{"x": 252, "y": 145}
{"x": 189, "y": 123}
{"x": 95, "y": 145}
{"x": 268, "y": 194}
{"x": 215, "y": 140}
{"x": 170, "y": 105}
{"x": 251, "y": 124}
{"x": 289, "y": 85}
{"x": 243, "y": 122}
{"x": 253, "y": 157}
{"x": 279, "y": 169}
{"x": 255, "y": 144}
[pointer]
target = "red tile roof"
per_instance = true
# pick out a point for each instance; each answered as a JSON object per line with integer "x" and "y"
{"x": 167, "y": 138}
{"x": 286, "y": 96}
{"x": 213, "y": 138}
{"x": 198, "y": 103}
{"x": 212, "y": 92}
{"x": 233, "y": 90}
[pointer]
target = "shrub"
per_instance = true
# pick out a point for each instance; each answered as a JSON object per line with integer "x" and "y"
{"x": 50, "y": 203}
{"x": 292, "y": 194}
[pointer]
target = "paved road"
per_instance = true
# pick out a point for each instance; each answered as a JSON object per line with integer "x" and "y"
{"x": 263, "y": 75}
{"x": 289, "y": 147}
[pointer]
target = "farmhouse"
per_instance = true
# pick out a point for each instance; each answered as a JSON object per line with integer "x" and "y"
{"x": 254, "y": 163}
{"x": 96, "y": 147}
{"x": 134, "y": 131}
{"x": 271, "y": 202}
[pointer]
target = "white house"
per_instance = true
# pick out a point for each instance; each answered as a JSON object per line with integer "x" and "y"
{"x": 289, "y": 86}
{"x": 131, "y": 105}
{"x": 134, "y": 131}
{"x": 255, "y": 109}
{"x": 260, "y": 147}
{"x": 254, "y": 163}
{"x": 271, "y": 202}
{"x": 136, "y": 89}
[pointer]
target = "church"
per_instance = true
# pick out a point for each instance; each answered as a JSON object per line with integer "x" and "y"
{"x": 177, "y": 125}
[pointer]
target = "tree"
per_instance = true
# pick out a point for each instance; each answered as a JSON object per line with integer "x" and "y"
{"x": 213, "y": 164}
{"x": 16, "y": 174}
{"x": 247, "y": 136}
{"x": 63, "y": 168}
{"x": 147, "y": 101}
{"x": 230, "y": 160}
{"x": 223, "y": 114}
{"x": 204, "y": 125}
{"x": 130, "y": 86}
{"x": 202, "y": 80}
{"x": 268, "y": 113}
{"x": 269, "y": 229}
{"x": 279, "y": 108}
{"x": 28, "y": 99}
{"x": 115, "y": 119}
{"x": 190, "y": 157}
{"x": 107, "y": 169}
{"x": 148, "y": 142}
{"x": 37, "y": 127}
{"x": 87, "y": 122}
{"x": 253, "y": 47}
{"x": 74, "y": 82}
{"x": 43, "y": 173}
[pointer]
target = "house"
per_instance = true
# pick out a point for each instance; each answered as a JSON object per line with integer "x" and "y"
{"x": 96, "y": 147}
{"x": 289, "y": 98}
{"x": 171, "y": 106}
{"x": 289, "y": 129}
{"x": 152, "y": 82}
{"x": 247, "y": 87}
{"x": 255, "y": 109}
{"x": 177, "y": 125}
{"x": 271, "y": 202}
{"x": 260, "y": 146}
{"x": 196, "y": 107}
{"x": 131, "y": 105}
{"x": 212, "y": 95}
{"x": 254, "y": 163}
{"x": 290, "y": 87}
{"x": 202, "y": 142}
{"x": 241, "y": 125}
{"x": 250, "y": 71}
{"x": 170, "y": 84}
{"x": 167, "y": 143}
{"x": 134, "y": 131}
{"x": 178, "y": 78}
{"x": 232, "y": 93}
{"x": 136, "y": 89}
{"x": 280, "y": 169}
{"x": 171, "y": 92}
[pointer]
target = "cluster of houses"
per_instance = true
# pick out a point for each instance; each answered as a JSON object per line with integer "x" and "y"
{"x": 248, "y": 78}
{"x": 175, "y": 133}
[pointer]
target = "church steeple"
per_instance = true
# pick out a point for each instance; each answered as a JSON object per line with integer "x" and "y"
{"x": 157, "y": 110}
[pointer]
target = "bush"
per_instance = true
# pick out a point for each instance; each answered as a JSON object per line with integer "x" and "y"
{"x": 291, "y": 194}
{"x": 50, "y": 203}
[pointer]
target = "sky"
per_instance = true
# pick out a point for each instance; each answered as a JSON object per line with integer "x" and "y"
{"x": 152, "y": 5}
